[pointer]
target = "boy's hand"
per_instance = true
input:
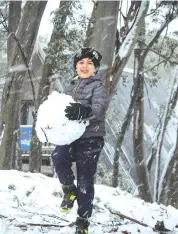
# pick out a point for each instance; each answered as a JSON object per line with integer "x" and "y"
{"x": 77, "y": 111}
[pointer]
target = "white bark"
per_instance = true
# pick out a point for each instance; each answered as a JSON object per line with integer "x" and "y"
{"x": 160, "y": 141}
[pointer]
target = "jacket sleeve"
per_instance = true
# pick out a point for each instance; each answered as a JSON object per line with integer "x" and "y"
{"x": 99, "y": 102}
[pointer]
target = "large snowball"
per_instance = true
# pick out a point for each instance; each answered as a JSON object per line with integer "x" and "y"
{"x": 53, "y": 126}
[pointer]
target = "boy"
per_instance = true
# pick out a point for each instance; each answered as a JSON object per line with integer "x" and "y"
{"x": 88, "y": 90}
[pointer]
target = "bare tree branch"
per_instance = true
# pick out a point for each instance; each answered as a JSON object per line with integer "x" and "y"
{"x": 156, "y": 65}
{"x": 156, "y": 228}
{"x": 169, "y": 18}
{"x": 23, "y": 225}
{"x": 159, "y": 4}
{"x": 161, "y": 55}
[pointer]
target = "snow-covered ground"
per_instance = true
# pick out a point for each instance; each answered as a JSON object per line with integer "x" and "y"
{"x": 30, "y": 204}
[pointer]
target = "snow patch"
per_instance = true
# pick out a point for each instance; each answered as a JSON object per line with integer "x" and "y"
{"x": 28, "y": 203}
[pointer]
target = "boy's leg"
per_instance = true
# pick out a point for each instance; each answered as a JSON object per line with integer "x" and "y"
{"x": 87, "y": 154}
{"x": 61, "y": 157}
{"x": 62, "y": 161}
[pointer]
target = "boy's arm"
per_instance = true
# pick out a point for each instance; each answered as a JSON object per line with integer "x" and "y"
{"x": 99, "y": 102}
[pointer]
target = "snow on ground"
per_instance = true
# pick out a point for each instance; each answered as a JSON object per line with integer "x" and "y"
{"x": 30, "y": 204}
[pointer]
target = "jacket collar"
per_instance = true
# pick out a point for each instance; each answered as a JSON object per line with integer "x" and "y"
{"x": 96, "y": 76}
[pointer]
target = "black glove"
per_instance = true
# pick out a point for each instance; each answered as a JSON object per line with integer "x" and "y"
{"x": 77, "y": 111}
{"x": 34, "y": 115}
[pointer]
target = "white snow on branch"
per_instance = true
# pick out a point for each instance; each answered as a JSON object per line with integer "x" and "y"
{"x": 18, "y": 68}
{"x": 2, "y": 134}
{"x": 107, "y": 18}
{"x": 130, "y": 38}
{"x": 137, "y": 124}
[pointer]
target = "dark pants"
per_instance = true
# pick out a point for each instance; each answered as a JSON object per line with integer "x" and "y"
{"x": 85, "y": 152}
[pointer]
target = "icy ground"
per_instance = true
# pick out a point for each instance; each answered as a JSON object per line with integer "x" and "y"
{"x": 30, "y": 204}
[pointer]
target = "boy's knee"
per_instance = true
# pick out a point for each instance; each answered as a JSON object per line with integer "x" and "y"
{"x": 58, "y": 160}
{"x": 85, "y": 186}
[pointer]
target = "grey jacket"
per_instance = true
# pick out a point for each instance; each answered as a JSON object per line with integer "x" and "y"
{"x": 91, "y": 91}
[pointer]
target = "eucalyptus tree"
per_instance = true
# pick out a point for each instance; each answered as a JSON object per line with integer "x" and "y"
{"x": 136, "y": 104}
{"x": 127, "y": 37}
{"x": 23, "y": 43}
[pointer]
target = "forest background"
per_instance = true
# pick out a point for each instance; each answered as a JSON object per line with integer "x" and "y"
{"x": 138, "y": 41}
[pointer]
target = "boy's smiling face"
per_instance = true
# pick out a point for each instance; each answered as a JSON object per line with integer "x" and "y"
{"x": 85, "y": 68}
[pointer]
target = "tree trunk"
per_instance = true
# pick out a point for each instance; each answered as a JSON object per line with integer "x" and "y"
{"x": 91, "y": 22}
{"x": 169, "y": 192}
{"x": 121, "y": 62}
{"x": 103, "y": 34}
{"x": 160, "y": 142}
{"x": 22, "y": 50}
{"x": 44, "y": 86}
{"x": 116, "y": 72}
{"x": 173, "y": 103}
{"x": 138, "y": 119}
{"x": 13, "y": 20}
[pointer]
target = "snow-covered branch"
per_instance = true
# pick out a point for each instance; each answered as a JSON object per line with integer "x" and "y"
{"x": 131, "y": 37}
{"x": 127, "y": 46}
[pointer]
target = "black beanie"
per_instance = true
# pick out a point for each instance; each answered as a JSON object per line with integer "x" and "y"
{"x": 86, "y": 52}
